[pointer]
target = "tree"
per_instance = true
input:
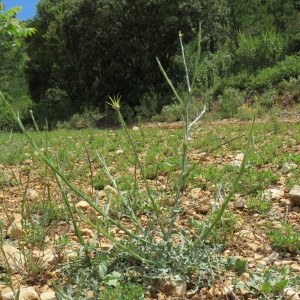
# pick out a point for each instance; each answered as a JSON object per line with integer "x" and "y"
{"x": 9, "y": 25}
{"x": 94, "y": 48}
{"x": 12, "y": 80}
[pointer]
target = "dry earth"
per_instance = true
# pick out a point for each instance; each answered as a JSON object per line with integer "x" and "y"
{"x": 248, "y": 241}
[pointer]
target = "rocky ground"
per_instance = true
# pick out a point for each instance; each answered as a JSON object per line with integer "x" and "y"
{"x": 33, "y": 269}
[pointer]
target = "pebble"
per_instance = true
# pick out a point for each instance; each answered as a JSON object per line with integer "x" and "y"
{"x": 31, "y": 194}
{"x": 294, "y": 195}
{"x": 274, "y": 256}
{"x": 295, "y": 268}
{"x": 196, "y": 193}
{"x": 48, "y": 296}
{"x": 27, "y": 293}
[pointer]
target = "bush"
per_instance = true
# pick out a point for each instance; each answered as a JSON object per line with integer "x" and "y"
{"x": 229, "y": 102}
{"x": 22, "y": 106}
{"x": 212, "y": 68}
{"x": 88, "y": 119}
{"x": 256, "y": 52}
{"x": 149, "y": 106}
{"x": 169, "y": 113}
{"x": 268, "y": 77}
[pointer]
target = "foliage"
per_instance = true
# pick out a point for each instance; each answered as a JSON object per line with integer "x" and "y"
{"x": 229, "y": 102}
{"x": 88, "y": 119}
{"x": 213, "y": 67}
{"x": 114, "y": 54}
{"x": 257, "y": 52}
{"x": 285, "y": 238}
{"x": 268, "y": 77}
{"x": 266, "y": 284}
{"x": 12, "y": 81}
{"x": 10, "y": 26}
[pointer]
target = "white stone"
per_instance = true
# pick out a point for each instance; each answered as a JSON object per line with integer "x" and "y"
{"x": 119, "y": 151}
{"x": 135, "y": 128}
{"x": 82, "y": 205}
{"x": 287, "y": 167}
{"x": 13, "y": 256}
{"x": 291, "y": 294}
{"x": 294, "y": 195}
{"x": 272, "y": 194}
{"x": 48, "y": 296}
{"x": 196, "y": 193}
{"x": 15, "y": 230}
{"x": 240, "y": 157}
{"x": 31, "y": 194}
{"x": 28, "y": 293}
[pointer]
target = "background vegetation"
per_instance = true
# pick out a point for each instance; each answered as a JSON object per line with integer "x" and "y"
{"x": 84, "y": 51}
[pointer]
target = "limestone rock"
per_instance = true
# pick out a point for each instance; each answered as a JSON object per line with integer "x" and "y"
{"x": 111, "y": 189}
{"x": 31, "y": 194}
{"x": 286, "y": 168}
{"x": 272, "y": 194}
{"x": 294, "y": 195}
{"x": 28, "y": 293}
{"x": 14, "y": 257}
{"x": 196, "y": 193}
{"x": 82, "y": 205}
{"x": 48, "y": 296}
{"x": 291, "y": 294}
{"x": 15, "y": 230}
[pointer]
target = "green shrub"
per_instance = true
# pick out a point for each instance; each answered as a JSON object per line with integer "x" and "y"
{"x": 256, "y": 52}
{"x": 149, "y": 106}
{"x": 268, "y": 77}
{"x": 170, "y": 113}
{"x": 87, "y": 119}
{"x": 285, "y": 238}
{"x": 22, "y": 106}
{"x": 229, "y": 102}
{"x": 212, "y": 68}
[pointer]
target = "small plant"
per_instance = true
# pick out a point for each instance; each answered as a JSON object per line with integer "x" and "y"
{"x": 229, "y": 102}
{"x": 245, "y": 112}
{"x": 265, "y": 284}
{"x": 285, "y": 239}
{"x": 259, "y": 204}
{"x": 87, "y": 119}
